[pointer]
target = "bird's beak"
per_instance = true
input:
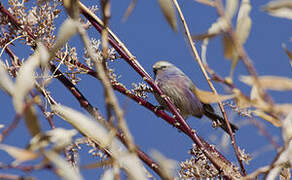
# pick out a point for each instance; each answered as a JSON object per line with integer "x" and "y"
{"x": 154, "y": 69}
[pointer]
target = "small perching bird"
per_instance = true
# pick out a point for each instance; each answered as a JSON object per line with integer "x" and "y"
{"x": 181, "y": 91}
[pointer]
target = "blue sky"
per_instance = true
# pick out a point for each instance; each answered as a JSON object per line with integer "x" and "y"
{"x": 148, "y": 36}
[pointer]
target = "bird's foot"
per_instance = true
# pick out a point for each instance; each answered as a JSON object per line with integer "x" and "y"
{"x": 216, "y": 124}
{"x": 157, "y": 108}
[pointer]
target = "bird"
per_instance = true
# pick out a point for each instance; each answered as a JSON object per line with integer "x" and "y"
{"x": 181, "y": 90}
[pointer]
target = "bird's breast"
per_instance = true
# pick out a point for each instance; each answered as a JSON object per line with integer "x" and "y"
{"x": 181, "y": 96}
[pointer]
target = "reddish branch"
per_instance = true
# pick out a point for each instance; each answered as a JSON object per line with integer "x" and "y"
{"x": 12, "y": 126}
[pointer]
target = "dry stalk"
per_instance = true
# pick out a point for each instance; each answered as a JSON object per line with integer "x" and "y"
{"x": 242, "y": 53}
{"x": 115, "y": 38}
{"x": 199, "y": 61}
{"x": 109, "y": 91}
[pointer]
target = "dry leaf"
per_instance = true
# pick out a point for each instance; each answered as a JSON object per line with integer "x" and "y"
{"x": 270, "y": 82}
{"x": 100, "y": 135}
{"x": 129, "y": 10}
{"x": 5, "y": 82}
{"x": 243, "y": 21}
{"x": 283, "y": 109}
{"x": 216, "y": 28}
{"x": 20, "y": 155}
{"x": 201, "y": 37}
{"x": 283, "y": 158}
{"x": 210, "y": 97}
{"x": 39, "y": 141}
{"x": 288, "y": 53}
{"x": 261, "y": 114}
{"x": 231, "y": 7}
{"x": 228, "y": 46}
{"x": 108, "y": 174}
{"x": 242, "y": 32}
{"x": 280, "y": 8}
{"x": 168, "y": 166}
{"x": 241, "y": 100}
{"x": 84, "y": 124}
{"x": 44, "y": 55}
{"x": 72, "y": 8}
{"x": 59, "y": 137}
{"x": 31, "y": 120}
{"x": 207, "y": 2}
{"x": 287, "y": 128}
{"x": 25, "y": 79}
{"x": 254, "y": 94}
{"x": 230, "y": 52}
{"x": 66, "y": 31}
{"x": 257, "y": 101}
{"x": 130, "y": 162}
{"x": 168, "y": 12}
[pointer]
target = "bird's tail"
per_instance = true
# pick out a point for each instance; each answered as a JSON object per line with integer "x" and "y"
{"x": 209, "y": 112}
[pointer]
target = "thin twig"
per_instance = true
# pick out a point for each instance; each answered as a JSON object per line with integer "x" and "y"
{"x": 105, "y": 5}
{"x": 277, "y": 162}
{"x": 7, "y": 44}
{"x": 108, "y": 88}
{"x": 15, "y": 121}
{"x": 14, "y": 177}
{"x": 198, "y": 59}
{"x": 255, "y": 122}
{"x": 242, "y": 53}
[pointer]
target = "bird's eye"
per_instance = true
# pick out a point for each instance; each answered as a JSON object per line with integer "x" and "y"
{"x": 162, "y": 67}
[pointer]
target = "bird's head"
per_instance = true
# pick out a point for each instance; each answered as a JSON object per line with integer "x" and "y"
{"x": 161, "y": 65}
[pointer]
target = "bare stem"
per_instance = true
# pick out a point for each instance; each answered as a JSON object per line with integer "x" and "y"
{"x": 242, "y": 53}
{"x": 15, "y": 121}
{"x": 109, "y": 91}
{"x": 199, "y": 61}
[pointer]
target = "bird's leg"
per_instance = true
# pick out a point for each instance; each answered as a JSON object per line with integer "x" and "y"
{"x": 157, "y": 108}
{"x": 216, "y": 123}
